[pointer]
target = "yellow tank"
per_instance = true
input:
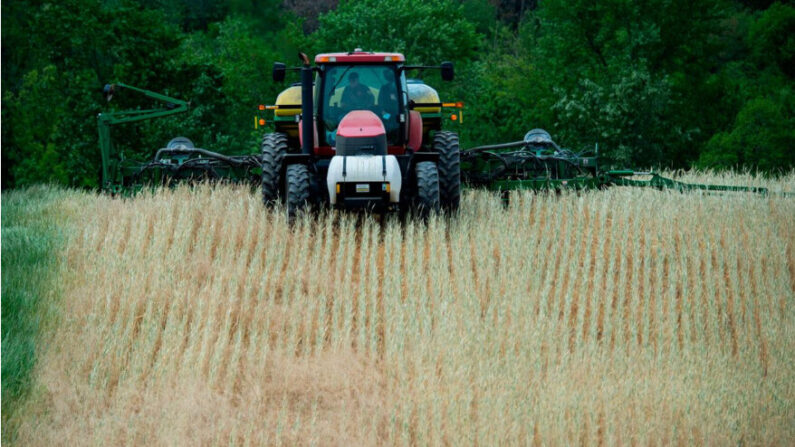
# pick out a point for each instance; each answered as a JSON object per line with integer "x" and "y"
{"x": 424, "y": 94}
{"x": 289, "y": 101}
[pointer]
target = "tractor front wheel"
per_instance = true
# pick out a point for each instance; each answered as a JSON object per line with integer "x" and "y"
{"x": 297, "y": 191}
{"x": 274, "y": 146}
{"x": 427, "y": 199}
{"x": 446, "y": 144}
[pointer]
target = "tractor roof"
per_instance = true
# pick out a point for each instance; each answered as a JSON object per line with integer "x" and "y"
{"x": 358, "y": 56}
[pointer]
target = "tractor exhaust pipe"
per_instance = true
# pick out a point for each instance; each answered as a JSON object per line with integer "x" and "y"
{"x": 307, "y": 107}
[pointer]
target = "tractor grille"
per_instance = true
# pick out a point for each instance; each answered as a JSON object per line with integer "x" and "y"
{"x": 361, "y": 145}
{"x": 363, "y": 189}
{"x": 373, "y": 196}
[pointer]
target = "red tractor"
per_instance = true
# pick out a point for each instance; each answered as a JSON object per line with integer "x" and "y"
{"x": 375, "y": 140}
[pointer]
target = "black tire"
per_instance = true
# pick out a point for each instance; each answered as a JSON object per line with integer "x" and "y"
{"x": 274, "y": 146}
{"x": 427, "y": 198}
{"x": 297, "y": 191}
{"x": 446, "y": 144}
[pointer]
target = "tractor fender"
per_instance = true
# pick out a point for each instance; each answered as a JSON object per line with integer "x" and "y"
{"x": 415, "y": 130}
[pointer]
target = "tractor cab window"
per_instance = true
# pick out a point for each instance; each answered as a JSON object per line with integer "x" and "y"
{"x": 360, "y": 87}
{"x": 356, "y": 95}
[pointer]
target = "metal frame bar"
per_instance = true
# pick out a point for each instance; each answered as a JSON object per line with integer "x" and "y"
{"x": 476, "y": 163}
{"x": 112, "y": 159}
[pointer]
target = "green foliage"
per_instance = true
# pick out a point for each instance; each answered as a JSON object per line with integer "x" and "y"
{"x": 53, "y": 110}
{"x": 427, "y": 32}
{"x": 619, "y": 73}
{"x": 242, "y": 55}
{"x": 49, "y": 113}
{"x": 480, "y": 13}
{"x": 654, "y": 82}
{"x": 762, "y": 138}
{"x": 773, "y": 37}
{"x": 627, "y": 117}
{"x": 190, "y": 15}
{"x": 33, "y": 128}
{"x": 762, "y": 133}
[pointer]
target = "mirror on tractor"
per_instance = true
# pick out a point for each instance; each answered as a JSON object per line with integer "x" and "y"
{"x": 278, "y": 71}
{"x": 447, "y": 71}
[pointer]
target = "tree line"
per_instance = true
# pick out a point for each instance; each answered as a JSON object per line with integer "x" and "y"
{"x": 655, "y": 83}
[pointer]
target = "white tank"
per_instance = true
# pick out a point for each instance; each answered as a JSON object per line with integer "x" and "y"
{"x": 364, "y": 169}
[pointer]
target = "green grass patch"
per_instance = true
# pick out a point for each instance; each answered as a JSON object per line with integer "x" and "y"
{"x": 33, "y": 235}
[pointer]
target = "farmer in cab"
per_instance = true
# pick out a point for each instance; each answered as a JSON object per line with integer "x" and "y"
{"x": 356, "y": 95}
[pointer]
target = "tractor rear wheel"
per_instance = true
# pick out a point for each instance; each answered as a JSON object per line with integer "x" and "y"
{"x": 274, "y": 146}
{"x": 297, "y": 190}
{"x": 446, "y": 144}
{"x": 427, "y": 199}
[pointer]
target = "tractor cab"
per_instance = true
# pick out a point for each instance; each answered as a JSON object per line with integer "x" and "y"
{"x": 377, "y": 87}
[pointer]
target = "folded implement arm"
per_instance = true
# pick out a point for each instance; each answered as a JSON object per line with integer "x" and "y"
{"x": 114, "y": 164}
{"x": 178, "y": 160}
{"x": 537, "y": 163}
{"x": 619, "y": 178}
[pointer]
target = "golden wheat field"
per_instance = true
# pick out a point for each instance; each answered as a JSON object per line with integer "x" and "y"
{"x": 194, "y": 316}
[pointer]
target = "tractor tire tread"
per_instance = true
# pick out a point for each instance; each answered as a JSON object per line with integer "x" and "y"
{"x": 427, "y": 198}
{"x": 274, "y": 146}
{"x": 446, "y": 144}
{"x": 297, "y": 190}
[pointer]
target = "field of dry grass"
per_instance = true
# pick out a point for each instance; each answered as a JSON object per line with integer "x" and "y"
{"x": 194, "y": 316}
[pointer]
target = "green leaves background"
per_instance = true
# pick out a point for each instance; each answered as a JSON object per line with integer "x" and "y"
{"x": 656, "y": 83}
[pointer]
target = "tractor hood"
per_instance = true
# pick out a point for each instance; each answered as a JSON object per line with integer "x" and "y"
{"x": 361, "y": 132}
{"x": 360, "y": 123}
